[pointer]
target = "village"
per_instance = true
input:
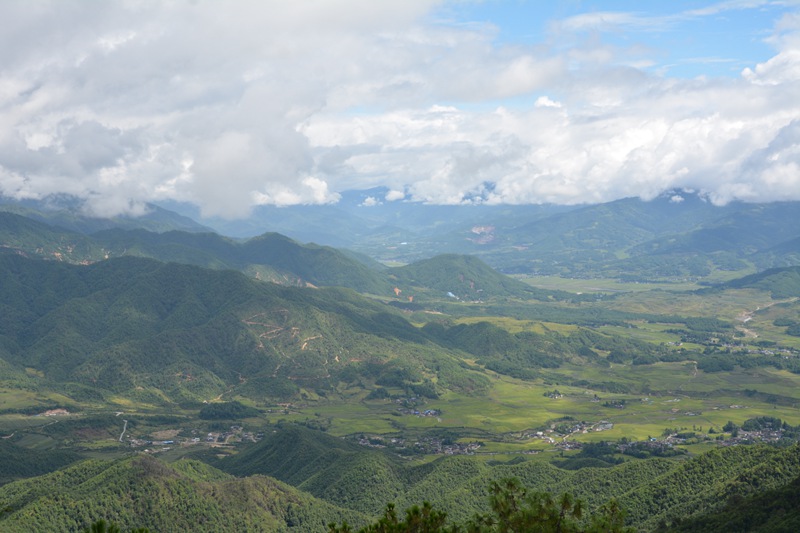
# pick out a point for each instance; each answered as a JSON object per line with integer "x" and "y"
{"x": 166, "y": 440}
{"x": 422, "y": 446}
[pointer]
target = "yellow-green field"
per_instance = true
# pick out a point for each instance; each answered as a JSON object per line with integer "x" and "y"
{"x": 514, "y": 416}
{"x": 681, "y": 398}
{"x": 580, "y": 285}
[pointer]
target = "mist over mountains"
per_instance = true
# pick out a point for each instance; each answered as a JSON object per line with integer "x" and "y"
{"x": 674, "y": 236}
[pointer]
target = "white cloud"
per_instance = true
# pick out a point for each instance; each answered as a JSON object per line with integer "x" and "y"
{"x": 370, "y": 201}
{"x": 393, "y": 196}
{"x": 231, "y": 105}
{"x": 544, "y": 101}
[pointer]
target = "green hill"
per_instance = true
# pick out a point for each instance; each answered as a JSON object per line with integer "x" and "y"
{"x": 781, "y": 282}
{"x": 330, "y": 468}
{"x": 772, "y": 511}
{"x": 270, "y": 257}
{"x": 320, "y": 265}
{"x": 17, "y": 462}
{"x": 144, "y": 492}
{"x": 786, "y": 253}
{"x": 274, "y": 257}
{"x": 35, "y": 239}
{"x": 676, "y": 235}
{"x": 654, "y": 491}
{"x": 463, "y": 277}
{"x": 745, "y": 488}
{"x": 169, "y": 332}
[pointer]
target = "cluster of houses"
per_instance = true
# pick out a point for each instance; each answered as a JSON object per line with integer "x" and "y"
{"x": 418, "y": 412}
{"x": 423, "y": 446}
{"x": 236, "y": 434}
{"x": 750, "y": 437}
{"x": 411, "y": 406}
{"x": 558, "y": 434}
{"x": 442, "y": 447}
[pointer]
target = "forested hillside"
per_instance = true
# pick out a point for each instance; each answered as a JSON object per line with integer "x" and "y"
{"x": 780, "y": 282}
{"x": 268, "y": 257}
{"x": 174, "y": 364}
{"x": 655, "y": 493}
{"x": 157, "y": 332}
{"x": 144, "y": 492}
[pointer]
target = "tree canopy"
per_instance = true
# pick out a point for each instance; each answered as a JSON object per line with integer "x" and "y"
{"x": 513, "y": 508}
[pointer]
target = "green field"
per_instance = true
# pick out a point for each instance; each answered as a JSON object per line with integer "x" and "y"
{"x": 512, "y": 416}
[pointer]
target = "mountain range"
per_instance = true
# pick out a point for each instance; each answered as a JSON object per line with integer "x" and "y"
{"x": 184, "y": 330}
{"x": 674, "y": 236}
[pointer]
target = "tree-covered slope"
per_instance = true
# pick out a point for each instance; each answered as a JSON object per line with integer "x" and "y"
{"x": 781, "y": 282}
{"x": 654, "y": 492}
{"x": 143, "y": 492}
{"x": 17, "y": 462}
{"x": 786, "y": 253}
{"x": 330, "y": 468}
{"x": 320, "y": 265}
{"x": 772, "y": 511}
{"x": 152, "y": 330}
{"x": 743, "y": 229}
{"x": 19, "y": 234}
{"x": 271, "y": 257}
{"x": 706, "y": 482}
{"x": 274, "y": 257}
{"x": 674, "y": 235}
{"x": 463, "y": 277}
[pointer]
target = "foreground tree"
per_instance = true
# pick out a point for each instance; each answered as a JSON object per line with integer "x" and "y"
{"x": 513, "y": 510}
{"x": 424, "y": 520}
{"x": 101, "y": 526}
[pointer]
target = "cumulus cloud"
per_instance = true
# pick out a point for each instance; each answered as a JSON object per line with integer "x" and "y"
{"x": 195, "y": 101}
{"x": 393, "y": 196}
{"x": 703, "y": 135}
{"x": 544, "y": 101}
{"x": 246, "y": 103}
{"x": 614, "y": 131}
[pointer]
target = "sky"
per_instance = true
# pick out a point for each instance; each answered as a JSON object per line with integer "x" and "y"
{"x": 232, "y": 104}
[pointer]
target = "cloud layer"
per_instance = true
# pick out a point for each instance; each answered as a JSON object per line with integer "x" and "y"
{"x": 231, "y": 105}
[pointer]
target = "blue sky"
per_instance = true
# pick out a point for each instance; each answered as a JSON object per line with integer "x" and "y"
{"x": 229, "y": 105}
{"x": 683, "y": 38}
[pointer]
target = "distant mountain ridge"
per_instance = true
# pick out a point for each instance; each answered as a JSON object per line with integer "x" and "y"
{"x": 674, "y": 237}
{"x": 66, "y": 212}
{"x": 269, "y": 257}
